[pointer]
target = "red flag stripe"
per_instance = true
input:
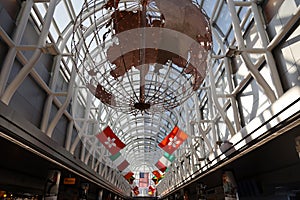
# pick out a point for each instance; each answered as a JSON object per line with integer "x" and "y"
{"x": 123, "y": 165}
{"x": 161, "y": 166}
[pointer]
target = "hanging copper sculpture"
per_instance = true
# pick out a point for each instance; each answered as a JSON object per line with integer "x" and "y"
{"x": 152, "y": 64}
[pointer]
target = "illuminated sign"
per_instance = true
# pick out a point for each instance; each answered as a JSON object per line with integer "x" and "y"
{"x": 69, "y": 181}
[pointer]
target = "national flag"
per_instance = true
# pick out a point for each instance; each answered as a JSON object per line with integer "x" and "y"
{"x": 130, "y": 180}
{"x": 119, "y": 161}
{"x": 164, "y": 162}
{"x": 151, "y": 190}
{"x": 156, "y": 174}
{"x": 156, "y": 180}
{"x": 136, "y": 190}
{"x": 170, "y": 143}
{"x": 161, "y": 166}
{"x": 129, "y": 177}
{"x": 144, "y": 179}
{"x": 111, "y": 142}
{"x": 123, "y": 165}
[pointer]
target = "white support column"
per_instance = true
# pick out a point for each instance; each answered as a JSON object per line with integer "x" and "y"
{"x": 93, "y": 159}
{"x": 229, "y": 79}
{"x": 182, "y": 172}
{"x": 62, "y": 109}
{"x": 187, "y": 166}
{"x": 83, "y": 149}
{"x": 91, "y": 151}
{"x": 54, "y": 78}
{"x": 268, "y": 55}
{"x": 69, "y": 135}
{"x": 85, "y": 126}
{"x": 12, "y": 52}
{"x": 96, "y": 165}
{"x": 49, "y": 101}
{"x": 194, "y": 159}
{"x": 241, "y": 45}
{"x": 100, "y": 169}
{"x": 14, "y": 85}
{"x": 216, "y": 103}
{"x": 201, "y": 131}
{"x": 110, "y": 175}
{"x": 105, "y": 172}
{"x": 212, "y": 116}
{"x": 173, "y": 179}
{"x": 75, "y": 143}
{"x": 188, "y": 129}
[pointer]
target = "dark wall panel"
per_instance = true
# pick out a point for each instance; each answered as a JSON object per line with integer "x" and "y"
{"x": 12, "y": 7}
{"x": 29, "y": 101}
{"x": 7, "y": 24}
{"x": 60, "y": 131}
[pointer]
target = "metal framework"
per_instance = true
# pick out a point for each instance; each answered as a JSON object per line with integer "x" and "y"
{"x": 212, "y": 117}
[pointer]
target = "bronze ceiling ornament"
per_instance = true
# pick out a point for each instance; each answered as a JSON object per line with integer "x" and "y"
{"x": 142, "y": 56}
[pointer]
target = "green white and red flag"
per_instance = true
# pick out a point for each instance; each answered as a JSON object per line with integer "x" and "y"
{"x": 119, "y": 161}
{"x": 164, "y": 162}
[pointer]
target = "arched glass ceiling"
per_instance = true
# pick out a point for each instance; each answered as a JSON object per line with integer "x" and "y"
{"x": 142, "y": 132}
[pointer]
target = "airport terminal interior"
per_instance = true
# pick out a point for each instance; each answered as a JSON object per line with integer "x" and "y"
{"x": 149, "y": 99}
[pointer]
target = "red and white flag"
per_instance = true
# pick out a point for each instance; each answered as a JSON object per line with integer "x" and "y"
{"x": 173, "y": 140}
{"x": 111, "y": 142}
{"x": 123, "y": 165}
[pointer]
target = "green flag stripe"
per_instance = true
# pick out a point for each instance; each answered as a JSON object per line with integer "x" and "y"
{"x": 114, "y": 157}
{"x": 170, "y": 157}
